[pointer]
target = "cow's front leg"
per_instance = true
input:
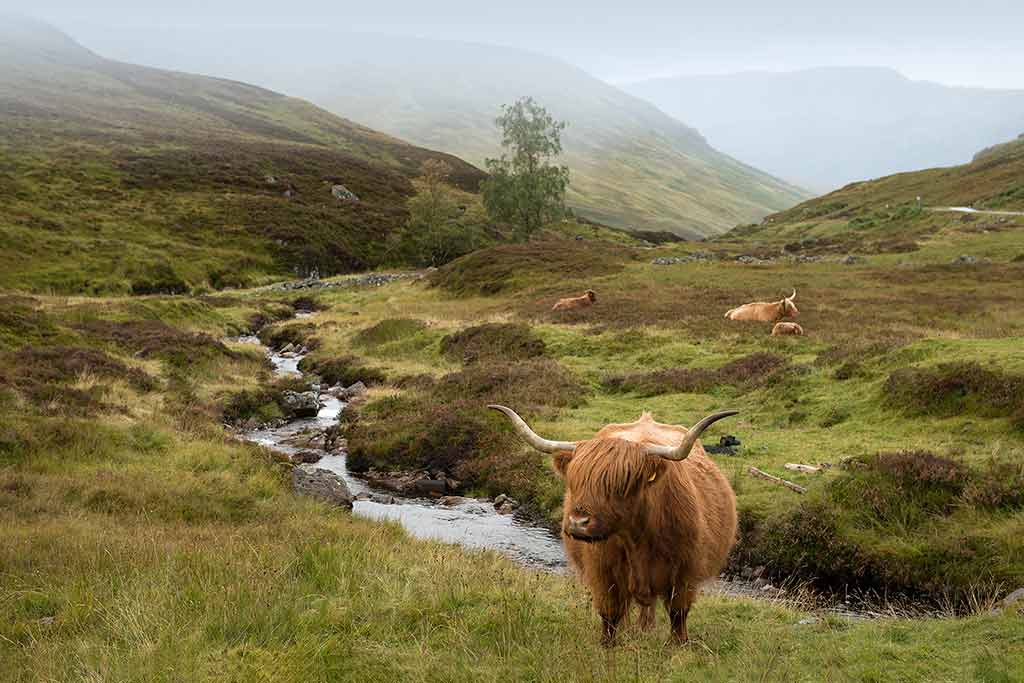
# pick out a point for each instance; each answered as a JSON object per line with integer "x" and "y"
{"x": 612, "y": 604}
{"x": 678, "y": 606}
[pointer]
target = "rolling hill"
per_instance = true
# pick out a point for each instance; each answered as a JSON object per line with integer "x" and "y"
{"x": 823, "y": 128}
{"x": 125, "y": 178}
{"x": 888, "y": 208}
{"x": 633, "y": 166}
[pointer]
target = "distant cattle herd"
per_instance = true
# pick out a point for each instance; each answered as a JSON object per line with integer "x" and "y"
{"x": 757, "y": 311}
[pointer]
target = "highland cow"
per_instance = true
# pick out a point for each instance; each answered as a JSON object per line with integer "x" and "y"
{"x": 586, "y": 299}
{"x": 646, "y": 515}
{"x": 782, "y": 329}
{"x": 765, "y": 312}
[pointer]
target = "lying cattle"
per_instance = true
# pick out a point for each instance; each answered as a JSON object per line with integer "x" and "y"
{"x": 586, "y": 299}
{"x": 782, "y": 329}
{"x": 647, "y": 515}
{"x": 765, "y": 312}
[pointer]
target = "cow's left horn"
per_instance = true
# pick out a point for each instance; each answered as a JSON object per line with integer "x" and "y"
{"x": 792, "y": 296}
{"x": 682, "y": 450}
{"x": 531, "y": 437}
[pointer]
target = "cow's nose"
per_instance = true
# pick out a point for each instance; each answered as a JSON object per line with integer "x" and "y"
{"x": 579, "y": 524}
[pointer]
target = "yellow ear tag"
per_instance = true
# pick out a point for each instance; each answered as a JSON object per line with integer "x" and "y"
{"x": 652, "y": 477}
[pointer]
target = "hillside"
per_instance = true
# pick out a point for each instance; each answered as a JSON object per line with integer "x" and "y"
{"x": 888, "y": 209}
{"x": 126, "y": 178}
{"x": 632, "y": 165}
{"x": 823, "y": 128}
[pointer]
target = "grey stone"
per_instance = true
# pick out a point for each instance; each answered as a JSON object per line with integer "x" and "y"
{"x": 499, "y": 499}
{"x": 306, "y": 457}
{"x": 301, "y": 404}
{"x": 322, "y": 485}
{"x": 342, "y": 193}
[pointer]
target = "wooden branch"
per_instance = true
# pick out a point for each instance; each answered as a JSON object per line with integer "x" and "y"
{"x": 798, "y": 467}
{"x": 776, "y": 480}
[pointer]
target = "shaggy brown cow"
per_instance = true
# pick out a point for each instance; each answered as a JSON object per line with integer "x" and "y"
{"x": 647, "y": 515}
{"x": 587, "y": 298}
{"x": 765, "y": 312}
{"x": 781, "y": 329}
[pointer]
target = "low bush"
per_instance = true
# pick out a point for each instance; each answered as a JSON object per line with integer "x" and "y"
{"x": 882, "y": 526}
{"x": 955, "y": 388}
{"x": 493, "y": 341}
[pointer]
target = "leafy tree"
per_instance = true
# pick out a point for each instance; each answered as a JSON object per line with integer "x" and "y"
{"x": 439, "y": 229}
{"x": 525, "y": 188}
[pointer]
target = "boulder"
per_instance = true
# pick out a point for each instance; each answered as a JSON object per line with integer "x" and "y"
{"x": 343, "y": 194}
{"x": 354, "y": 391}
{"x": 301, "y": 404}
{"x": 306, "y": 457}
{"x": 451, "y": 501}
{"x": 429, "y": 487}
{"x": 322, "y": 485}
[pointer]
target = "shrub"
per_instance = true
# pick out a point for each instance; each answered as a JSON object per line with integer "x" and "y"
{"x": 159, "y": 278}
{"x": 509, "y": 341}
{"x": 954, "y": 388}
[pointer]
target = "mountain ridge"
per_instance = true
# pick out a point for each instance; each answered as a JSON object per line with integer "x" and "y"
{"x": 823, "y": 127}
{"x": 633, "y": 165}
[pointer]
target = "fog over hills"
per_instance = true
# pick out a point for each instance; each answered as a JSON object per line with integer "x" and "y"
{"x": 822, "y": 128}
{"x": 633, "y": 166}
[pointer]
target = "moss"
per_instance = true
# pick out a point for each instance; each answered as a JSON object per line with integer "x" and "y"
{"x": 955, "y": 388}
{"x": 388, "y": 330}
{"x": 748, "y": 371}
{"x": 343, "y": 370}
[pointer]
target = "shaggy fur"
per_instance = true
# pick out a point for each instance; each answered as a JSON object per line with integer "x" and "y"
{"x": 659, "y": 529}
{"x": 781, "y": 329}
{"x": 764, "y": 312}
{"x": 586, "y": 299}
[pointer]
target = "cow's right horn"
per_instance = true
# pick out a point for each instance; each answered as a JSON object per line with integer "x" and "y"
{"x": 793, "y": 295}
{"x": 682, "y": 450}
{"x": 531, "y": 437}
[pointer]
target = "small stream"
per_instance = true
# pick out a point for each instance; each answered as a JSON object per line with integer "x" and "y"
{"x": 472, "y": 523}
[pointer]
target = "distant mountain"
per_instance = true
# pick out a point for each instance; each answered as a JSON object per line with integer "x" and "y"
{"x": 118, "y": 177}
{"x": 822, "y": 128}
{"x": 632, "y": 165}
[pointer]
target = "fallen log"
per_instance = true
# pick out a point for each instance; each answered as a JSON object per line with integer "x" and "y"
{"x": 799, "y": 467}
{"x": 776, "y": 480}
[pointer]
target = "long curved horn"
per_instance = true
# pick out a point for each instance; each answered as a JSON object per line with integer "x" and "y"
{"x": 682, "y": 450}
{"x": 531, "y": 437}
{"x": 793, "y": 296}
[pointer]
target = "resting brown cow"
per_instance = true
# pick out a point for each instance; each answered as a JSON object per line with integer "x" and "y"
{"x": 782, "y": 329}
{"x": 646, "y": 515}
{"x": 587, "y": 298}
{"x": 765, "y": 312}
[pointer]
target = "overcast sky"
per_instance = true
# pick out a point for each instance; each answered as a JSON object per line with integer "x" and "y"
{"x": 948, "y": 41}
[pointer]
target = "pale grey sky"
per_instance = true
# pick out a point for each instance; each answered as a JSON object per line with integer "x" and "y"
{"x": 947, "y": 41}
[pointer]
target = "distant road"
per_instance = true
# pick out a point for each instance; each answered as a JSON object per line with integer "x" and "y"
{"x": 967, "y": 209}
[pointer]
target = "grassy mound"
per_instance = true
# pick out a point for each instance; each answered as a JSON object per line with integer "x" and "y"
{"x": 490, "y": 271}
{"x": 906, "y": 523}
{"x": 493, "y": 341}
{"x": 750, "y": 371}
